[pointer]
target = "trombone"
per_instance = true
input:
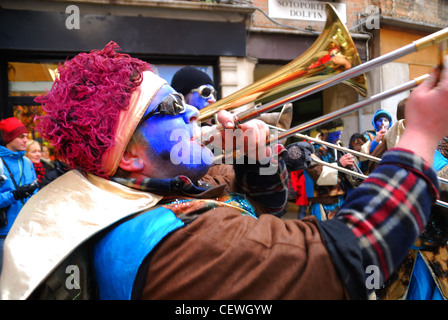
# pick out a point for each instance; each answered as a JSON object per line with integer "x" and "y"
{"x": 338, "y": 113}
{"x": 316, "y": 122}
{"x": 363, "y": 176}
{"x": 258, "y": 89}
{"x": 327, "y": 144}
{"x": 285, "y": 133}
{"x": 321, "y": 61}
{"x": 296, "y": 74}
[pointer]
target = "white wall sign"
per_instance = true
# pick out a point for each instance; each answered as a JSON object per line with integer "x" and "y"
{"x": 304, "y": 10}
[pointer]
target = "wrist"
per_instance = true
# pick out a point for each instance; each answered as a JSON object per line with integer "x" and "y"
{"x": 419, "y": 143}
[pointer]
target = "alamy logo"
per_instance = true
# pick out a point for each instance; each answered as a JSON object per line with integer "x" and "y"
{"x": 72, "y": 21}
{"x": 73, "y": 280}
{"x": 373, "y": 17}
{"x": 373, "y": 278}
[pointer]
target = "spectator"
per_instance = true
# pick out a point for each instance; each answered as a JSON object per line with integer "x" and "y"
{"x": 18, "y": 175}
{"x": 46, "y": 158}
{"x": 33, "y": 152}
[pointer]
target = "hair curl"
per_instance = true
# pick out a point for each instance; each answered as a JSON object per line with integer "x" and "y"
{"x": 84, "y": 103}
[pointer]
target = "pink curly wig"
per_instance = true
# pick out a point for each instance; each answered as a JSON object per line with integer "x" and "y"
{"x": 83, "y": 106}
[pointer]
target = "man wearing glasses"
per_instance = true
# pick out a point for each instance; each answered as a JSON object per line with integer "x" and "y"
{"x": 128, "y": 223}
{"x": 195, "y": 85}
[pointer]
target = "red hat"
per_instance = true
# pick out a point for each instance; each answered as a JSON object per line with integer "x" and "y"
{"x": 11, "y": 128}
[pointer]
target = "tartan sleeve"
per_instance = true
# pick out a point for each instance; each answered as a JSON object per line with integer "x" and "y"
{"x": 390, "y": 208}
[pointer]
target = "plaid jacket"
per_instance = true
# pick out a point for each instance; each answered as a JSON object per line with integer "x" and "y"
{"x": 386, "y": 214}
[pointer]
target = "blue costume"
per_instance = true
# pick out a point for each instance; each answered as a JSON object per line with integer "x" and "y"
{"x": 370, "y": 135}
{"x": 423, "y": 286}
{"x": 23, "y": 171}
{"x": 135, "y": 239}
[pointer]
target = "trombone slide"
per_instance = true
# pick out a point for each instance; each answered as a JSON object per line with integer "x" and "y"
{"x": 363, "y": 176}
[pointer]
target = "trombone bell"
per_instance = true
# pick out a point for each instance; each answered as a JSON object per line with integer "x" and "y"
{"x": 333, "y": 52}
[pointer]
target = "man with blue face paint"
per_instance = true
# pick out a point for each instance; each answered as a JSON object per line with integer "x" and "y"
{"x": 196, "y": 86}
{"x": 128, "y": 223}
{"x": 382, "y": 121}
{"x": 330, "y": 185}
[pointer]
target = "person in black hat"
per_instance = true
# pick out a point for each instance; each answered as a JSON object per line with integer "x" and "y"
{"x": 195, "y": 85}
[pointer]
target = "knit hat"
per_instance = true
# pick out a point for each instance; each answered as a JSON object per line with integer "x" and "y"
{"x": 11, "y": 128}
{"x": 93, "y": 108}
{"x": 189, "y": 78}
{"x": 381, "y": 113}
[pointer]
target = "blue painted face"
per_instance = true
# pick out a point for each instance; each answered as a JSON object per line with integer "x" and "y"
{"x": 172, "y": 147}
{"x": 382, "y": 122}
{"x": 333, "y": 137}
{"x": 198, "y": 100}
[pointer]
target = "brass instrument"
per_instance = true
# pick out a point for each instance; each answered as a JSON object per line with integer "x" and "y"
{"x": 301, "y": 71}
{"x": 285, "y": 133}
{"x": 313, "y": 123}
{"x": 363, "y": 176}
{"x": 327, "y": 144}
{"x": 288, "y": 78}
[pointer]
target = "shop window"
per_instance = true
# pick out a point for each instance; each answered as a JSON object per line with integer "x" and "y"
{"x": 26, "y": 80}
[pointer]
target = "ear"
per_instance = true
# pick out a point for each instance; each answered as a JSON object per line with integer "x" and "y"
{"x": 131, "y": 160}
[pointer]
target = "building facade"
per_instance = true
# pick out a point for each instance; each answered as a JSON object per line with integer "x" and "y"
{"x": 237, "y": 42}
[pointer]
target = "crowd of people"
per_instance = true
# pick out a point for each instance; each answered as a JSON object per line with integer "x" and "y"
{"x": 26, "y": 166}
{"x": 135, "y": 225}
{"x": 324, "y": 186}
{"x": 323, "y": 189}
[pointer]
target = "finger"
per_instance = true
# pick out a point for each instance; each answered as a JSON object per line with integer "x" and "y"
{"x": 263, "y": 136}
{"x": 436, "y": 75}
{"x": 255, "y": 140}
{"x": 268, "y": 151}
{"x": 263, "y": 150}
{"x": 226, "y": 119}
{"x": 441, "y": 72}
